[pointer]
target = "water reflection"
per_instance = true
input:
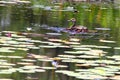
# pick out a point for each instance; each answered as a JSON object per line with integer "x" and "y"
{"x": 5, "y": 18}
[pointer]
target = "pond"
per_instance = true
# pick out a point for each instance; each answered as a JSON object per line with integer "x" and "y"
{"x": 21, "y": 17}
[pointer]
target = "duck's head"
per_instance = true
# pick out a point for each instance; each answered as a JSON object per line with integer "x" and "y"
{"x": 72, "y": 20}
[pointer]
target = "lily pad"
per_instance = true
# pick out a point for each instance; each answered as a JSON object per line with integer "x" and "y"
{"x": 47, "y": 46}
{"x": 40, "y": 70}
{"x": 5, "y": 50}
{"x": 75, "y": 52}
{"x": 80, "y": 48}
{"x": 45, "y": 60}
{"x": 55, "y": 40}
{"x": 54, "y": 34}
{"x": 107, "y": 41}
{"x": 26, "y": 2}
{"x": 30, "y": 67}
{"x": 15, "y": 57}
{"x": 48, "y": 68}
{"x": 2, "y": 72}
{"x": 28, "y": 60}
{"x": 6, "y": 79}
{"x": 67, "y": 56}
{"x": 24, "y": 63}
{"x": 17, "y": 36}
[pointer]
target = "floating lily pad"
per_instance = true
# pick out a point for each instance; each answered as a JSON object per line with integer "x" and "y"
{"x": 5, "y": 50}
{"x": 46, "y": 60}
{"x": 13, "y": 32}
{"x": 74, "y": 52}
{"x": 12, "y": 42}
{"x": 5, "y": 44}
{"x": 2, "y": 66}
{"x": 47, "y": 46}
{"x": 5, "y": 38}
{"x": 28, "y": 60}
{"x": 23, "y": 39}
{"x": 68, "y": 56}
{"x": 88, "y": 57}
{"x": 64, "y": 71}
{"x": 60, "y": 58}
{"x": 104, "y": 29}
{"x": 8, "y": 64}
{"x": 55, "y": 40}
{"x": 10, "y": 48}
{"x": 15, "y": 57}
{"x": 63, "y": 46}
{"x": 90, "y": 46}
{"x": 103, "y": 47}
{"x": 38, "y": 6}
{"x": 26, "y": 2}
{"x": 82, "y": 70}
{"x": 23, "y": 45}
{"x": 9, "y": 71}
{"x": 45, "y": 42}
{"x": 6, "y": 79}
{"x": 29, "y": 67}
{"x": 17, "y": 36}
{"x": 2, "y": 72}
{"x": 39, "y": 70}
{"x": 105, "y": 61}
{"x": 107, "y": 41}
{"x": 80, "y": 48}
{"x": 74, "y": 39}
{"x": 48, "y": 68}
{"x": 24, "y": 63}
{"x": 33, "y": 47}
{"x": 74, "y": 60}
{"x": 36, "y": 41}
{"x": 54, "y": 34}
{"x": 55, "y": 44}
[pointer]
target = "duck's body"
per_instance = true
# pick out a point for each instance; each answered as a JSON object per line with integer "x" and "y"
{"x": 77, "y": 28}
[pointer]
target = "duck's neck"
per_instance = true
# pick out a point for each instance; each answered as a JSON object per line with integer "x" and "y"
{"x": 74, "y": 24}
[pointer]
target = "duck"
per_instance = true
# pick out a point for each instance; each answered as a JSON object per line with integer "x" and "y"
{"x": 77, "y": 28}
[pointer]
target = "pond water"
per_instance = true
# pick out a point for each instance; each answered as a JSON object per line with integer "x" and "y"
{"x": 19, "y": 17}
